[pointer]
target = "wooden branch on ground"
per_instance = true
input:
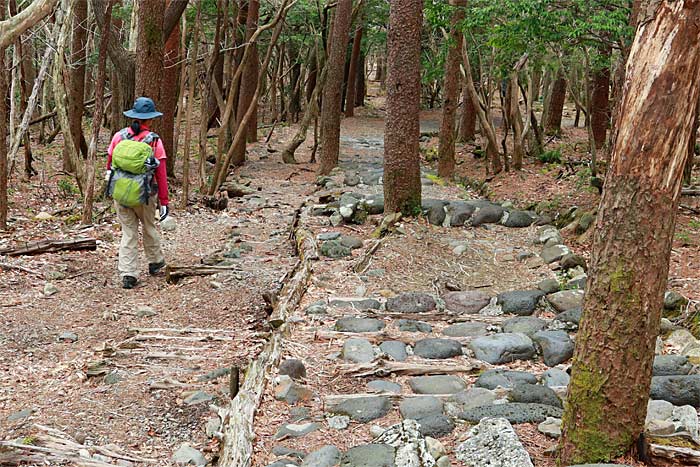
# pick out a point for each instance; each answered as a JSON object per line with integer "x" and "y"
{"x": 9, "y": 267}
{"x": 362, "y": 265}
{"x": 686, "y": 456}
{"x": 238, "y": 418}
{"x": 333, "y": 399}
{"x": 690, "y": 192}
{"x": 384, "y": 368}
{"x": 374, "y": 337}
{"x": 132, "y": 331}
{"x": 175, "y": 273}
{"x": 51, "y": 246}
{"x": 53, "y": 447}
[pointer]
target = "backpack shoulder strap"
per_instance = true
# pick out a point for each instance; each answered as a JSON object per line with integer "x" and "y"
{"x": 124, "y": 133}
{"x": 151, "y": 138}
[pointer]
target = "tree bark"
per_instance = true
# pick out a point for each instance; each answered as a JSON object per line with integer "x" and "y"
{"x": 13, "y": 27}
{"x": 552, "y": 125}
{"x": 600, "y": 102}
{"x": 467, "y": 123}
{"x": 77, "y": 66}
{"x": 89, "y": 191}
{"x": 402, "y": 185}
{"x": 446, "y": 148}
{"x": 169, "y": 96}
{"x": 332, "y": 90}
{"x": 351, "y": 92}
{"x": 361, "y": 85}
{"x": 149, "y": 43}
{"x": 3, "y": 126}
{"x": 612, "y": 367}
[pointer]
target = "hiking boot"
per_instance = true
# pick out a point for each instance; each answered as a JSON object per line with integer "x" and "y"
{"x": 154, "y": 268}
{"x": 128, "y": 282}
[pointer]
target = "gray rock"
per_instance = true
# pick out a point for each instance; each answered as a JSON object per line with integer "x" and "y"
{"x": 328, "y": 236}
{"x": 434, "y": 210}
{"x": 395, "y": 349}
{"x": 380, "y": 385}
{"x": 290, "y": 391}
{"x": 660, "y": 427}
{"x": 419, "y": 407}
{"x": 673, "y": 300}
{"x": 21, "y": 415}
{"x": 557, "y": 347}
{"x": 466, "y": 302}
{"x": 554, "y": 377}
{"x": 436, "y": 426}
{"x": 527, "y": 325}
{"x": 514, "y": 412}
{"x": 435, "y": 348}
{"x": 327, "y": 456}
{"x": 548, "y": 286}
{"x": 599, "y": 465}
{"x": 338, "y": 422}
{"x": 198, "y": 397}
{"x": 284, "y": 451}
{"x": 518, "y": 219}
{"x": 685, "y": 418}
{"x": 491, "y": 379}
{"x": 534, "y": 393}
{"x": 437, "y": 384}
{"x": 659, "y": 410}
{"x": 411, "y": 302}
{"x": 357, "y": 351}
{"x": 363, "y": 409}
{"x": 548, "y": 233}
{"x": 334, "y": 249}
{"x": 466, "y": 330}
{"x": 670, "y": 365}
{"x": 213, "y": 427}
{"x": 357, "y": 303}
{"x": 299, "y": 414}
{"x": 572, "y": 316}
{"x": 67, "y": 336}
{"x": 566, "y": 300}
{"x": 410, "y": 325}
{"x": 316, "y": 308}
{"x": 336, "y": 219}
{"x": 550, "y": 427}
{"x": 554, "y": 253}
{"x": 460, "y": 213}
{"x": 374, "y": 204}
{"x": 50, "y": 289}
{"x": 493, "y": 443}
{"x": 352, "y": 324}
{"x": 490, "y": 214}
{"x": 145, "y": 311}
{"x": 472, "y": 397}
{"x": 678, "y": 390}
{"x": 351, "y": 179}
{"x": 187, "y": 455}
{"x": 293, "y": 430}
{"x": 519, "y": 302}
{"x": 351, "y": 242}
{"x": 369, "y": 455}
{"x": 293, "y": 368}
{"x": 503, "y": 348}
{"x": 570, "y": 261}
{"x": 578, "y": 282}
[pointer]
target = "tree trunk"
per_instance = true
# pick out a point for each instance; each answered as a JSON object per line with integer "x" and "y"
{"x": 149, "y": 59}
{"x": 190, "y": 109}
{"x": 13, "y": 27}
{"x": 351, "y": 92}
{"x": 3, "y": 128}
{"x": 333, "y": 88}
{"x": 612, "y": 367}
{"x": 360, "y": 84}
{"x": 402, "y": 185}
{"x": 89, "y": 191}
{"x": 552, "y": 126}
{"x": 446, "y": 149}
{"x": 294, "y": 85}
{"x": 169, "y": 96}
{"x": 467, "y": 123}
{"x": 76, "y": 91}
{"x": 600, "y": 102}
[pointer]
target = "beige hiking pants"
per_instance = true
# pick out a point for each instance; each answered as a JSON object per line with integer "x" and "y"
{"x": 130, "y": 218}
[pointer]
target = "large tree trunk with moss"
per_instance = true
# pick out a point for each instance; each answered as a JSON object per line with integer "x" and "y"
{"x": 552, "y": 126}
{"x": 446, "y": 148}
{"x": 402, "y": 185}
{"x": 333, "y": 88}
{"x": 612, "y": 367}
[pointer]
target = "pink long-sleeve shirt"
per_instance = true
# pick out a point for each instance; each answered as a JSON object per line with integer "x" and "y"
{"x": 159, "y": 153}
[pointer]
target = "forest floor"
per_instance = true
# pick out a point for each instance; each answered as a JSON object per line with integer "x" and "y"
{"x": 139, "y": 371}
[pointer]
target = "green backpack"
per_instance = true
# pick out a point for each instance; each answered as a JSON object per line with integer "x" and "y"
{"x": 132, "y": 179}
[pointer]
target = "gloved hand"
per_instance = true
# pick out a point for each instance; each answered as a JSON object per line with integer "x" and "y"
{"x": 108, "y": 174}
{"x": 163, "y": 213}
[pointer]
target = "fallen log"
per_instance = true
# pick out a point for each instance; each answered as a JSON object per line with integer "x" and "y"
{"x": 239, "y": 416}
{"x": 333, "y": 399}
{"x": 385, "y": 368}
{"x": 686, "y": 456}
{"x": 690, "y": 192}
{"x": 174, "y": 273}
{"x": 51, "y": 246}
{"x": 362, "y": 265}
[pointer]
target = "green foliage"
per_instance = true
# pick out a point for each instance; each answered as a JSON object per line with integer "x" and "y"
{"x": 66, "y": 188}
{"x": 550, "y": 157}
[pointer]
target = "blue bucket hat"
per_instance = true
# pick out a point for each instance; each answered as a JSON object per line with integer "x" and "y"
{"x": 144, "y": 109}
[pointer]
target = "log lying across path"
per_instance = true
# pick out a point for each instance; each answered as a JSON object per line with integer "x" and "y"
{"x": 51, "y": 246}
{"x": 238, "y": 418}
{"x": 175, "y": 273}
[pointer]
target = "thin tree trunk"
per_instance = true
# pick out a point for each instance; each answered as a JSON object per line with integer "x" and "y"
{"x": 333, "y": 88}
{"x": 169, "y": 96}
{"x": 360, "y": 83}
{"x": 89, "y": 191}
{"x": 351, "y": 92}
{"x": 78, "y": 64}
{"x": 600, "y": 102}
{"x": 181, "y": 85}
{"x": 552, "y": 126}
{"x": 612, "y": 367}
{"x": 190, "y": 109}
{"x": 467, "y": 123}
{"x": 402, "y": 185}
{"x": 3, "y": 127}
{"x": 446, "y": 148}
{"x": 13, "y": 27}
{"x": 520, "y": 131}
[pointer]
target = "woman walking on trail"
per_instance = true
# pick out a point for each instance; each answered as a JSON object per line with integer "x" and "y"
{"x": 137, "y": 182}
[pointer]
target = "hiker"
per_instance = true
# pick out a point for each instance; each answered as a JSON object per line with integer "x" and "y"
{"x": 137, "y": 182}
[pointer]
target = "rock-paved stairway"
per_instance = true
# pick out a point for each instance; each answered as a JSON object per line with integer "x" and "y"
{"x": 449, "y": 346}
